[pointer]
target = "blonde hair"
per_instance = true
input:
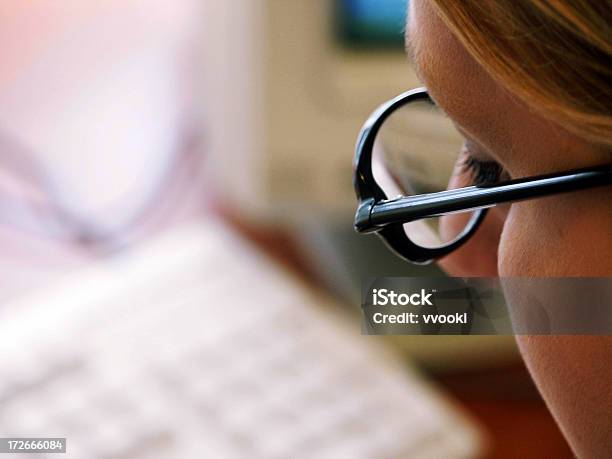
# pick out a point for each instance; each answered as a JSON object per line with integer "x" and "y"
{"x": 556, "y": 55}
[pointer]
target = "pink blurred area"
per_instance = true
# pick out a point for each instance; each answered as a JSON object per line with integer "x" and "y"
{"x": 98, "y": 131}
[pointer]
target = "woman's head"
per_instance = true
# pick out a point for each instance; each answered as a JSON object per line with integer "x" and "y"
{"x": 527, "y": 83}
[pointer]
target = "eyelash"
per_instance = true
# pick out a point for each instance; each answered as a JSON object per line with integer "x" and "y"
{"x": 483, "y": 173}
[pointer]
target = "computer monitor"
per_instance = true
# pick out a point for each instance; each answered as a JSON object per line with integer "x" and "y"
{"x": 288, "y": 84}
{"x": 371, "y": 24}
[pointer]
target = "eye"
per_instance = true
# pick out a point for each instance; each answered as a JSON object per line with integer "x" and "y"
{"x": 482, "y": 173}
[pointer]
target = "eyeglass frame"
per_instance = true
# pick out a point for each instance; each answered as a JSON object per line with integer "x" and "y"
{"x": 376, "y": 213}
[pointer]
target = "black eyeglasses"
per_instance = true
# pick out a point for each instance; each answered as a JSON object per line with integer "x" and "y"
{"x": 395, "y": 218}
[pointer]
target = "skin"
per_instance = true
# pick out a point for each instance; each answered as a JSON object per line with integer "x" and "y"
{"x": 566, "y": 235}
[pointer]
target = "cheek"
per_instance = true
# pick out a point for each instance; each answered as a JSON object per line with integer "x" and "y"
{"x": 452, "y": 225}
{"x": 478, "y": 257}
{"x": 567, "y": 235}
{"x": 522, "y": 249}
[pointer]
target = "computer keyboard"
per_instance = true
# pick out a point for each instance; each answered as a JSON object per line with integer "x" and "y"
{"x": 198, "y": 346}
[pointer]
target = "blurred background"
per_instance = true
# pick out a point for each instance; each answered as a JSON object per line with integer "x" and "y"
{"x": 154, "y": 151}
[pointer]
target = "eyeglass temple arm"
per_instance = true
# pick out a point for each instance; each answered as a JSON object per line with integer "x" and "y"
{"x": 372, "y": 215}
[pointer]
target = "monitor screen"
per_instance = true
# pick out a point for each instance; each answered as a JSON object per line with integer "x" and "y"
{"x": 371, "y": 23}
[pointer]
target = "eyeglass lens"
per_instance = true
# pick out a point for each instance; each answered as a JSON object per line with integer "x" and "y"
{"x": 418, "y": 150}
